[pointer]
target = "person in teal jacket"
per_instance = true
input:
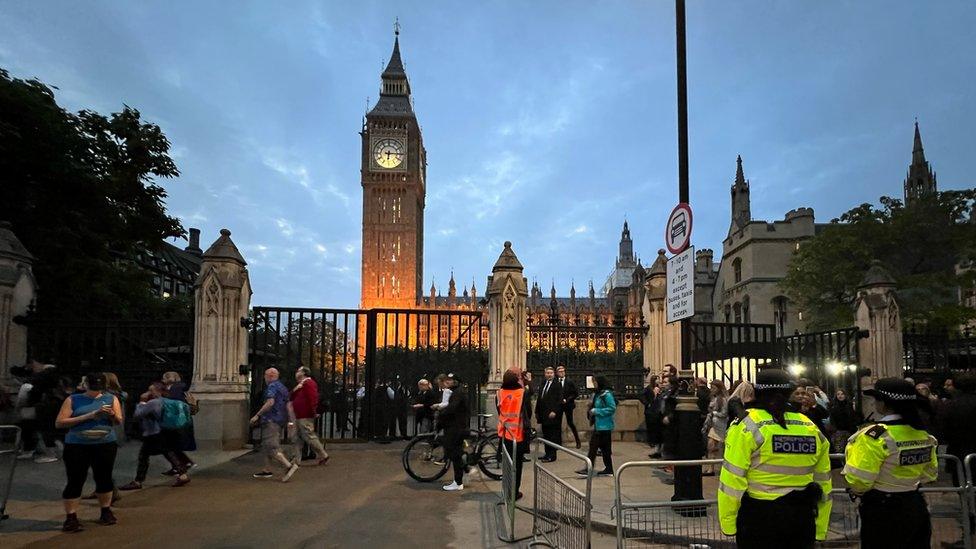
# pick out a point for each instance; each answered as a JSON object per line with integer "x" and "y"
{"x": 601, "y": 414}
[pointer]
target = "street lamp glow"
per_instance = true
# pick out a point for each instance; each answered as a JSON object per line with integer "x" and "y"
{"x": 796, "y": 369}
{"x": 835, "y": 368}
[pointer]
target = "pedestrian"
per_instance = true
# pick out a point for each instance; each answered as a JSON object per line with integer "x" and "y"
{"x": 90, "y": 418}
{"x": 454, "y": 420}
{"x": 703, "y": 393}
{"x": 948, "y": 389}
{"x": 272, "y": 416}
{"x": 774, "y": 489}
{"x": 887, "y": 462}
{"x": 514, "y": 407}
{"x": 113, "y": 387}
{"x": 302, "y": 411}
{"x": 548, "y": 412}
{"x": 602, "y": 412}
{"x": 43, "y": 402}
{"x": 181, "y": 441}
{"x": 569, "y": 394}
{"x": 399, "y": 400}
{"x": 803, "y": 402}
{"x": 423, "y": 413}
{"x": 716, "y": 423}
{"x": 740, "y": 399}
{"x": 149, "y": 413}
{"x": 650, "y": 398}
{"x": 957, "y": 425}
{"x": 843, "y": 421}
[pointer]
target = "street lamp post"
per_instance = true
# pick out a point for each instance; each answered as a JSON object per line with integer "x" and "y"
{"x": 687, "y": 480}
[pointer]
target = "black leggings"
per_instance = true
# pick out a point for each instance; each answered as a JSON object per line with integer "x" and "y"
{"x": 601, "y": 440}
{"x": 153, "y": 445}
{"x": 79, "y": 457}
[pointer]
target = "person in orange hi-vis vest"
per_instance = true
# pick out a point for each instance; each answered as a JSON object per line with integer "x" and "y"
{"x": 514, "y": 418}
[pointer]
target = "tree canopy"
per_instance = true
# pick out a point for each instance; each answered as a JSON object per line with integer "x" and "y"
{"x": 81, "y": 191}
{"x": 922, "y": 246}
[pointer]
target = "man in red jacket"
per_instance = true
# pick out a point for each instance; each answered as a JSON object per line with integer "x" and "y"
{"x": 302, "y": 411}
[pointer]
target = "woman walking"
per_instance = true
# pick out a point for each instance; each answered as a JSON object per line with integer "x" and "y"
{"x": 716, "y": 423}
{"x": 149, "y": 412}
{"x": 603, "y": 409}
{"x": 90, "y": 418}
{"x": 183, "y": 440}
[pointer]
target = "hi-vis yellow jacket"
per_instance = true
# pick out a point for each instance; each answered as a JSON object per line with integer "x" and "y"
{"x": 766, "y": 461}
{"x": 890, "y": 458}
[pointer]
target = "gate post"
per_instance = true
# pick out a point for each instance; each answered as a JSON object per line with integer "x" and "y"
{"x": 220, "y": 346}
{"x": 17, "y": 292}
{"x": 876, "y": 310}
{"x": 662, "y": 342}
{"x": 507, "y": 291}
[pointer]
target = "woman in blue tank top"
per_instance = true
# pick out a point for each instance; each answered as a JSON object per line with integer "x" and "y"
{"x": 90, "y": 418}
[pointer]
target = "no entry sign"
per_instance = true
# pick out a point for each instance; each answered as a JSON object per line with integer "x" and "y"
{"x": 677, "y": 235}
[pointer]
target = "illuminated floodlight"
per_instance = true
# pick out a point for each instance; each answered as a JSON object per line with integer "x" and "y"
{"x": 852, "y": 367}
{"x": 796, "y": 369}
{"x": 835, "y": 368}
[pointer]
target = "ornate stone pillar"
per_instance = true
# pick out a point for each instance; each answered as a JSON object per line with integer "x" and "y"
{"x": 876, "y": 310}
{"x": 507, "y": 291}
{"x": 222, "y": 299}
{"x": 17, "y": 291}
{"x": 662, "y": 342}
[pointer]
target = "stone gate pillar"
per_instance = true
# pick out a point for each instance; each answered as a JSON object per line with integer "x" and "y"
{"x": 507, "y": 291}
{"x": 876, "y": 310}
{"x": 662, "y": 342}
{"x": 222, "y": 299}
{"x": 17, "y": 292}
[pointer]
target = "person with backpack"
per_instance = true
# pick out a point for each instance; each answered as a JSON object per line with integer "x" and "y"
{"x": 149, "y": 412}
{"x": 272, "y": 416}
{"x": 302, "y": 411}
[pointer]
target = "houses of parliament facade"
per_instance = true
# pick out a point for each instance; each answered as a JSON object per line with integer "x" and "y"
{"x": 741, "y": 287}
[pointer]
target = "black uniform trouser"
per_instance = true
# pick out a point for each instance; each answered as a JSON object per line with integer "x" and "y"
{"x": 517, "y": 450}
{"x": 894, "y": 520}
{"x": 786, "y": 525}
{"x": 568, "y": 414}
{"x": 552, "y": 433}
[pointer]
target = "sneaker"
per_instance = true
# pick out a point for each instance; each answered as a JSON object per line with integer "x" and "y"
{"x": 172, "y": 472}
{"x": 131, "y": 486}
{"x": 27, "y": 455}
{"x": 323, "y": 461}
{"x": 604, "y": 473}
{"x": 71, "y": 524}
{"x": 453, "y": 487}
{"x": 182, "y": 480}
{"x": 45, "y": 459}
{"x": 263, "y": 474}
{"x": 291, "y": 471}
{"x": 581, "y": 472}
{"x": 108, "y": 517}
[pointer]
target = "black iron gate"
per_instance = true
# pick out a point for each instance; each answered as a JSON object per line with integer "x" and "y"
{"x": 729, "y": 352}
{"x": 612, "y": 351}
{"x": 357, "y": 355}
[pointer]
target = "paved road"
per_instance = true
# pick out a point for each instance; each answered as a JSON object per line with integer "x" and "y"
{"x": 360, "y": 499}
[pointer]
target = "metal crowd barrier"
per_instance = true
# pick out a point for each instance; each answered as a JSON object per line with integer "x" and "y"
{"x": 10, "y": 444}
{"x": 695, "y": 523}
{"x": 560, "y": 511}
{"x": 508, "y": 496}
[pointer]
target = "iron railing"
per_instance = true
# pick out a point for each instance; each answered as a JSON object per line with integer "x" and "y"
{"x": 938, "y": 351}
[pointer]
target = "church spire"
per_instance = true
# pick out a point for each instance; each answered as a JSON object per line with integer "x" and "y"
{"x": 396, "y": 87}
{"x": 741, "y": 208}
{"x": 921, "y": 179}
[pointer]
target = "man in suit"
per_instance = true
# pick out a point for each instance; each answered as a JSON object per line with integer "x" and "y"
{"x": 569, "y": 394}
{"x": 549, "y": 412}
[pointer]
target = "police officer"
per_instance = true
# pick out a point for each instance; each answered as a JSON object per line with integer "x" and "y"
{"x": 774, "y": 489}
{"x": 886, "y": 463}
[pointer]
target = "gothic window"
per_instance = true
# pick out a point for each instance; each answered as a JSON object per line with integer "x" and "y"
{"x": 728, "y": 314}
{"x": 737, "y": 308}
{"x": 737, "y": 269}
{"x": 779, "y": 315}
{"x": 745, "y": 309}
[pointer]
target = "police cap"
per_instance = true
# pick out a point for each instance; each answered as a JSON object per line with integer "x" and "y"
{"x": 773, "y": 379}
{"x": 893, "y": 389}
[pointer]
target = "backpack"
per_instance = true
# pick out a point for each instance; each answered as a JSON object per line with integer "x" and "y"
{"x": 176, "y": 414}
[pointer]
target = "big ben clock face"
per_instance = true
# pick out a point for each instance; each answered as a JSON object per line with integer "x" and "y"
{"x": 388, "y": 153}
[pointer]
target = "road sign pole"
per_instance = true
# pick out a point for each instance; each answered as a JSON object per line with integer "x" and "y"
{"x": 683, "y": 191}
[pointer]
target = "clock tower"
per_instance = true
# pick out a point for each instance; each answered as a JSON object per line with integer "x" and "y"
{"x": 393, "y": 175}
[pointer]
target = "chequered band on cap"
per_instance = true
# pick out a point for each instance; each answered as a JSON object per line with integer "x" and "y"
{"x": 895, "y": 396}
{"x": 764, "y": 386}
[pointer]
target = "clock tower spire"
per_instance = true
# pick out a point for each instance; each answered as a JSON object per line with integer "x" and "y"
{"x": 393, "y": 177}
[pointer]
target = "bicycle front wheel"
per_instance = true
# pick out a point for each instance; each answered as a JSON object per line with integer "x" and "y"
{"x": 423, "y": 459}
{"x": 490, "y": 451}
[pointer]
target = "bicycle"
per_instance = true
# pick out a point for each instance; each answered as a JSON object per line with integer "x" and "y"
{"x": 423, "y": 458}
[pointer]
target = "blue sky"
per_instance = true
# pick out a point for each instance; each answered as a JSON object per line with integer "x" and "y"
{"x": 545, "y": 122}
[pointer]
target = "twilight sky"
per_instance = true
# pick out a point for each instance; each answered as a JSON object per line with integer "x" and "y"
{"x": 546, "y": 123}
